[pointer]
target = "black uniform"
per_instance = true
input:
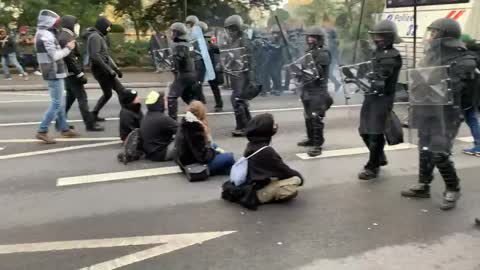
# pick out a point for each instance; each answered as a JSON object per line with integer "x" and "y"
{"x": 214, "y": 53}
{"x": 275, "y": 64}
{"x": 315, "y": 97}
{"x": 103, "y": 67}
{"x": 240, "y": 82}
{"x": 462, "y": 76}
{"x": 378, "y": 103}
{"x": 185, "y": 76}
{"x": 76, "y": 78}
{"x": 200, "y": 71}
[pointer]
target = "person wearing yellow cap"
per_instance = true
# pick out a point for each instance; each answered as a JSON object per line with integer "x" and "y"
{"x": 158, "y": 129}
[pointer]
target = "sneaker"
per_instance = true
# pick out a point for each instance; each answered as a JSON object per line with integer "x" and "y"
{"x": 70, "y": 134}
{"x": 474, "y": 151}
{"x": 315, "y": 151}
{"x": 37, "y": 73}
{"x": 43, "y": 136}
{"x": 417, "y": 191}
{"x": 25, "y": 76}
{"x": 368, "y": 174}
{"x": 238, "y": 133}
{"x": 450, "y": 198}
{"x": 305, "y": 143}
{"x": 8, "y": 79}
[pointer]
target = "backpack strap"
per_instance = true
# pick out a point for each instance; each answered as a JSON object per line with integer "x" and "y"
{"x": 258, "y": 151}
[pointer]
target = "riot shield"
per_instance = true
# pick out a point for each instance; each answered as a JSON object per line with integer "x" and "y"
{"x": 355, "y": 81}
{"x": 433, "y": 118}
{"x": 198, "y": 38}
{"x": 303, "y": 70}
{"x": 234, "y": 60}
{"x": 163, "y": 59}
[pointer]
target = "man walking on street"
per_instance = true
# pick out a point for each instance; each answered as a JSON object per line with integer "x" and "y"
{"x": 9, "y": 55}
{"x": 50, "y": 57}
{"x": 76, "y": 79}
{"x": 103, "y": 67}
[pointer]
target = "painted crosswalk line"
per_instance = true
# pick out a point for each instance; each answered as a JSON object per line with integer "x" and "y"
{"x": 99, "y": 139}
{"x": 466, "y": 139}
{"x": 57, "y": 150}
{"x": 116, "y": 176}
{"x": 166, "y": 244}
{"x": 355, "y": 151}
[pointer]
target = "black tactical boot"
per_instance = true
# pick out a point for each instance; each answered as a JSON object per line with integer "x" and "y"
{"x": 305, "y": 143}
{"x": 450, "y": 198}
{"x": 96, "y": 118}
{"x": 417, "y": 191}
{"x": 308, "y": 141}
{"x": 172, "y": 107}
{"x": 95, "y": 128}
{"x": 368, "y": 174}
{"x": 477, "y": 221}
{"x": 238, "y": 133}
{"x": 315, "y": 151}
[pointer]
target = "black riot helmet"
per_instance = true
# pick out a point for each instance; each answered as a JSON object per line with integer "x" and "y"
{"x": 179, "y": 31}
{"x": 316, "y": 32}
{"x": 385, "y": 34}
{"x": 233, "y": 26}
{"x": 444, "y": 31}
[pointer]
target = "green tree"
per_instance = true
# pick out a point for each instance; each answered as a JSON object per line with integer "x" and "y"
{"x": 134, "y": 11}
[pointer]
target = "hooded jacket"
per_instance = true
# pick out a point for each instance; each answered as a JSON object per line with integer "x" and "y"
{"x": 130, "y": 118}
{"x": 49, "y": 53}
{"x": 191, "y": 142}
{"x": 97, "y": 48}
{"x": 157, "y": 129}
{"x": 266, "y": 164}
{"x": 74, "y": 59}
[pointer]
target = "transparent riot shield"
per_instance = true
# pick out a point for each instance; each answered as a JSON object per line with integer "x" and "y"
{"x": 433, "y": 118}
{"x": 234, "y": 60}
{"x": 355, "y": 81}
{"x": 303, "y": 70}
{"x": 201, "y": 46}
{"x": 163, "y": 59}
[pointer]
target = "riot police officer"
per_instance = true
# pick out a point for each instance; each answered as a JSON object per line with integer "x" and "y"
{"x": 314, "y": 94}
{"x": 240, "y": 81}
{"x": 438, "y": 125}
{"x": 214, "y": 52}
{"x": 378, "y": 100}
{"x": 183, "y": 69}
{"x": 200, "y": 69}
{"x": 275, "y": 61}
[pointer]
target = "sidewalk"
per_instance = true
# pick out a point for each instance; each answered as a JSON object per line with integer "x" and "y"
{"x": 129, "y": 80}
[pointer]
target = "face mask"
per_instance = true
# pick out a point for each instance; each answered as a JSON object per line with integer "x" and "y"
{"x": 275, "y": 129}
{"x": 76, "y": 29}
{"x": 109, "y": 29}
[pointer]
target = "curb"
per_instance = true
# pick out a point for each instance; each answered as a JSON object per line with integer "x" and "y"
{"x": 40, "y": 87}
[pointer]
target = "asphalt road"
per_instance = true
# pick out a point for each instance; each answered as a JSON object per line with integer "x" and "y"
{"x": 336, "y": 222}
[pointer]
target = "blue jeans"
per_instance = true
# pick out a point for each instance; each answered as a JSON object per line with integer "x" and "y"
{"x": 221, "y": 164}
{"x": 472, "y": 122}
{"x": 12, "y": 59}
{"x": 56, "y": 109}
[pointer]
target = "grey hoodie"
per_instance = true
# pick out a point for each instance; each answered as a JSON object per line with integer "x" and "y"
{"x": 49, "y": 53}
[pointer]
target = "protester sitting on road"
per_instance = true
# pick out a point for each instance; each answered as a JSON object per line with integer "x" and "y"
{"x": 158, "y": 129}
{"x": 131, "y": 113}
{"x": 54, "y": 72}
{"x": 269, "y": 179}
{"x": 9, "y": 55}
{"x": 194, "y": 144}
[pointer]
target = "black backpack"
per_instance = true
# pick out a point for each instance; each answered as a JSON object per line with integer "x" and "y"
{"x": 132, "y": 147}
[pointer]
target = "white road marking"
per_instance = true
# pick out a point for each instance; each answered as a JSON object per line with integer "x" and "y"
{"x": 24, "y": 94}
{"x": 31, "y": 100}
{"x": 466, "y": 139}
{"x": 168, "y": 243}
{"x": 1, "y": 148}
{"x": 116, "y": 176}
{"x": 355, "y": 151}
{"x": 212, "y": 113}
{"x": 57, "y": 150}
{"x": 100, "y": 139}
{"x": 456, "y": 251}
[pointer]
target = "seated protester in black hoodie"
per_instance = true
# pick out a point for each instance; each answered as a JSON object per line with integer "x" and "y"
{"x": 269, "y": 179}
{"x": 131, "y": 113}
{"x": 158, "y": 129}
{"x": 193, "y": 142}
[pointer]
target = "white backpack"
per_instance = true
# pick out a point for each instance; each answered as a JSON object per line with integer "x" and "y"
{"x": 239, "y": 171}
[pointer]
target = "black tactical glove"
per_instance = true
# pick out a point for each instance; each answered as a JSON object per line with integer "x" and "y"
{"x": 83, "y": 80}
{"x": 113, "y": 74}
{"x": 119, "y": 73}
